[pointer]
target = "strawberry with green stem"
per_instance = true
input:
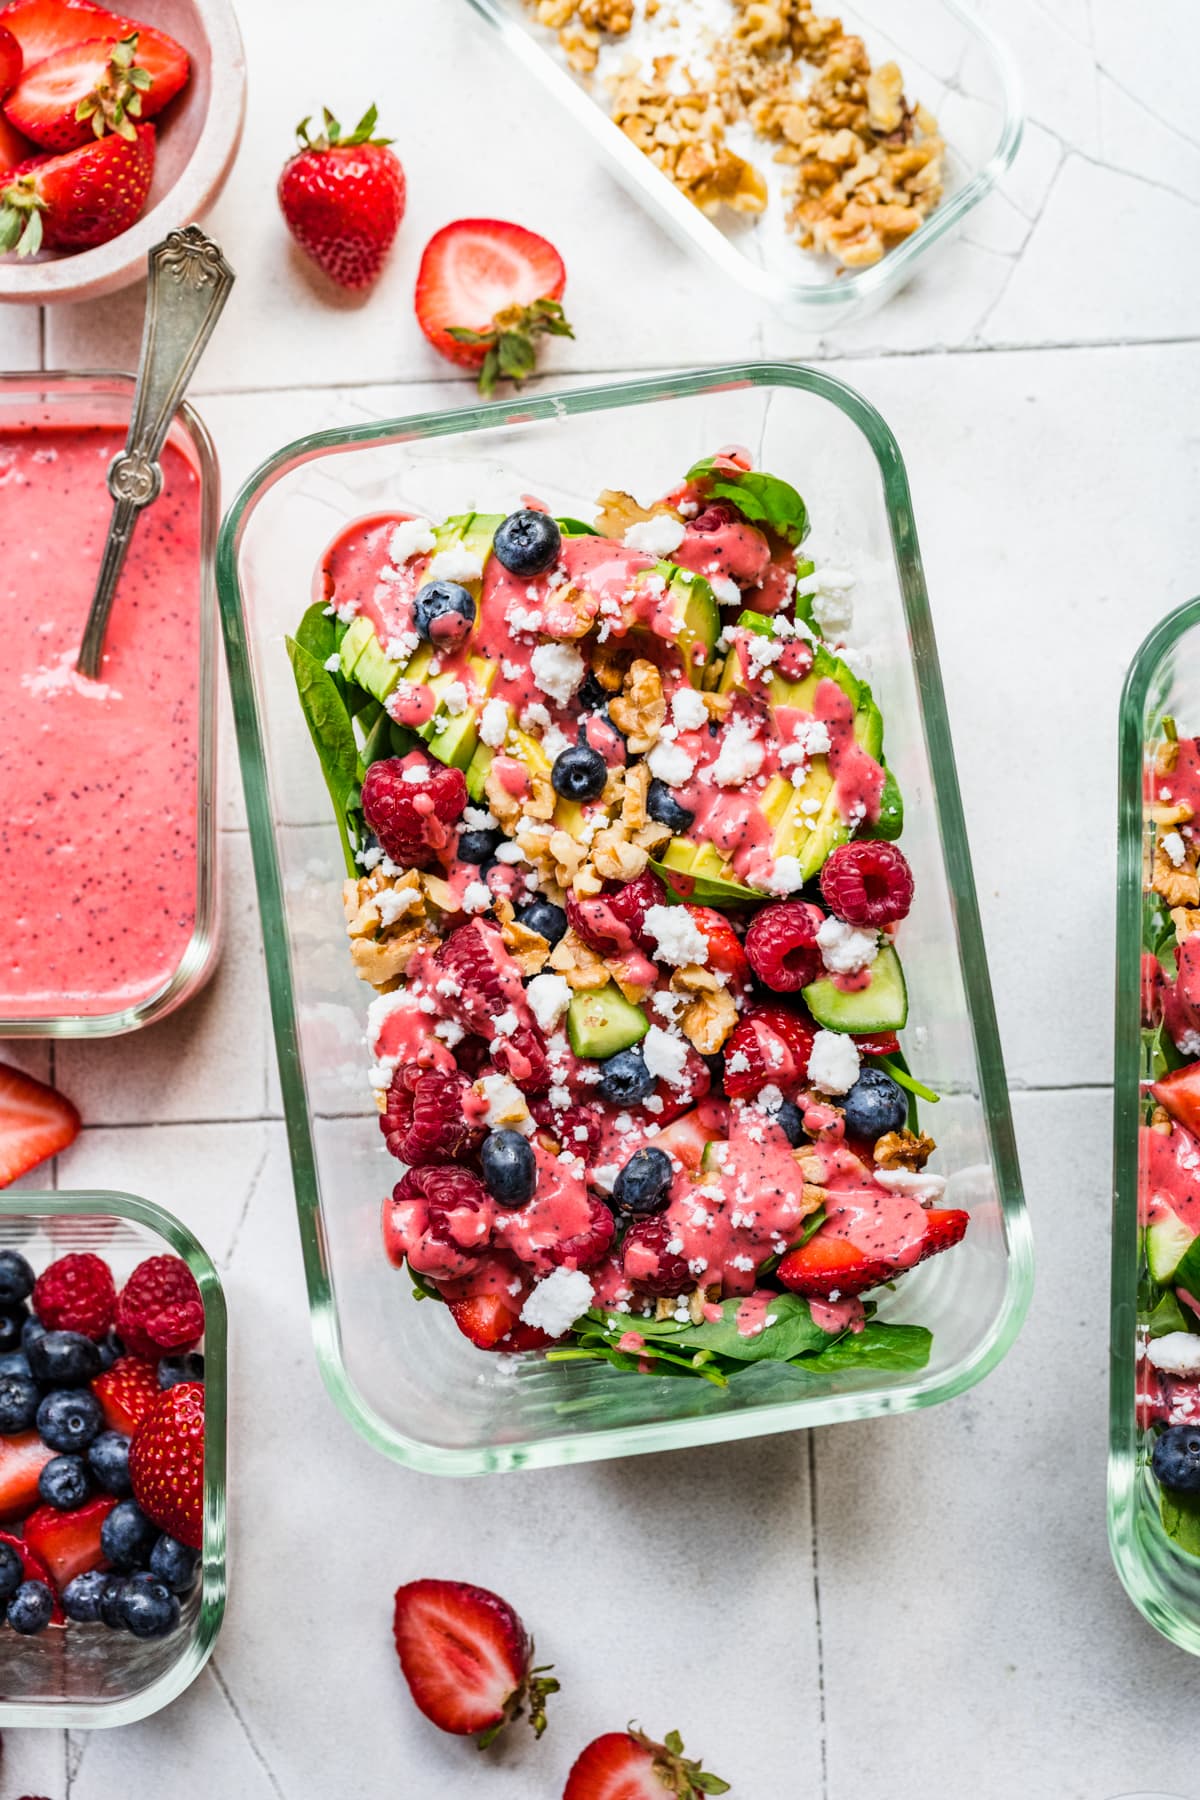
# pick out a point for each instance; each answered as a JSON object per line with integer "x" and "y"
{"x": 343, "y": 198}
{"x": 487, "y": 292}
{"x": 628, "y": 1765}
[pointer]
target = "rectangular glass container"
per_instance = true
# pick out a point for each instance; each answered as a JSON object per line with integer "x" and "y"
{"x": 949, "y": 60}
{"x": 87, "y": 1676}
{"x": 103, "y": 399}
{"x": 1162, "y": 1580}
{"x": 401, "y": 1372}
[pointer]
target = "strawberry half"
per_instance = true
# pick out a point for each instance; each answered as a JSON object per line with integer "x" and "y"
{"x": 491, "y": 1325}
{"x": 69, "y": 1542}
{"x": 628, "y": 1765}
{"x": 166, "y": 1463}
{"x": 35, "y": 1122}
{"x": 35, "y": 1570}
{"x": 43, "y": 27}
{"x": 725, "y": 953}
{"x": 768, "y": 1047}
{"x": 1179, "y": 1092}
{"x": 486, "y": 291}
{"x": 22, "y": 1459}
{"x": 102, "y": 84}
{"x": 468, "y": 1659}
{"x": 829, "y": 1265}
{"x": 126, "y": 1393}
{"x": 11, "y": 61}
{"x": 76, "y": 201}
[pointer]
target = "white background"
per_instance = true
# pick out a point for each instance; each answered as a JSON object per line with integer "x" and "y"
{"x": 918, "y": 1608}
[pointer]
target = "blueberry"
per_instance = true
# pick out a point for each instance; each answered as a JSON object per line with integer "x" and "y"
{"x": 875, "y": 1105}
{"x": 63, "y": 1358}
{"x": 478, "y": 846}
{"x": 1177, "y": 1459}
{"x": 112, "y": 1601}
{"x": 544, "y": 917}
{"x": 30, "y": 1608}
{"x": 174, "y": 1369}
{"x": 625, "y": 1078}
{"x": 108, "y": 1460}
{"x": 127, "y": 1536}
{"x": 19, "y": 1395}
{"x": 15, "y": 1362}
{"x": 81, "y": 1597}
{"x": 69, "y": 1418}
{"x": 12, "y": 1573}
{"x": 16, "y": 1278}
{"x": 644, "y": 1184}
{"x": 509, "y": 1167}
{"x": 443, "y": 613}
{"x": 175, "y": 1564}
{"x": 12, "y": 1319}
{"x": 527, "y": 542}
{"x": 789, "y": 1119}
{"x": 590, "y": 696}
{"x": 665, "y": 809}
{"x": 32, "y": 1331}
{"x": 148, "y": 1608}
{"x": 64, "y": 1482}
{"x": 110, "y": 1347}
{"x": 579, "y": 773}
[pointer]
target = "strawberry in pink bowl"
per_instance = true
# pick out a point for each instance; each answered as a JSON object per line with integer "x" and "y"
{"x": 620, "y": 839}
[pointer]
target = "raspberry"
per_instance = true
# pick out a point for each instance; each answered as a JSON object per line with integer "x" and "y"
{"x": 589, "y": 1246}
{"x": 411, "y": 803}
{"x": 424, "y": 1120}
{"x": 160, "y": 1308}
{"x": 440, "y": 1218}
{"x": 769, "y": 1046}
{"x": 725, "y": 954}
{"x": 615, "y": 919}
{"x": 647, "y": 1262}
{"x": 563, "y": 1123}
{"x": 694, "y": 1083}
{"x": 782, "y": 945}
{"x": 76, "y": 1293}
{"x": 868, "y": 883}
{"x": 489, "y": 984}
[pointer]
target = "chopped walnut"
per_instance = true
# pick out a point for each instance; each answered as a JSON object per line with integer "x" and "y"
{"x": 1160, "y": 1121}
{"x": 640, "y": 710}
{"x": 554, "y": 13}
{"x": 613, "y": 16}
{"x": 381, "y": 961}
{"x": 618, "y": 511}
{"x": 1186, "y": 920}
{"x": 578, "y": 963}
{"x": 903, "y": 1150}
{"x": 609, "y": 664}
{"x": 530, "y": 949}
{"x": 708, "y": 1021}
{"x": 633, "y": 796}
{"x": 1166, "y": 757}
{"x": 614, "y": 858}
{"x": 1178, "y": 886}
{"x": 1165, "y": 816}
{"x": 683, "y": 134}
{"x": 382, "y": 952}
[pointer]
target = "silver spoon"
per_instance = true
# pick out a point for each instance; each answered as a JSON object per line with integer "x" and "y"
{"x": 188, "y": 287}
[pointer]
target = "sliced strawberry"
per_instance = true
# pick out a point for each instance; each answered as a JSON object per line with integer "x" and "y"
{"x": 11, "y": 61}
{"x": 102, "y": 84}
{"x": 879, "y": 1043}
{"x": 16, "y": 153}
{"x": 694, "y": 1083}
{"x": 126, "y": 1392}
{"x": 69, "y": 1542}
{"x": 468, "y": 1659}
{"x": 486, "y": 290}
{"x": 35, "y": 1570}
{"x": 1179, "y": 1092}
{"x": 725, "y": 953}
{"x": 945, "y": 1229}
{"x": 166, "y": 1463}
{"x": 768, "y": 1047}
{"x": 828, "y": 1266}
{"x": 491, "y": 1325}
{"x": 78, "y": 200}
{"x": 42, "y": 27}
{"x": 35, "y": 1122}
{"x": 22, "y": 1459}
{"x": 627, "y": 1765}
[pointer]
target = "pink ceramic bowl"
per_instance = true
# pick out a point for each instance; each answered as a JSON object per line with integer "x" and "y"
{"x": 197, "y": 142}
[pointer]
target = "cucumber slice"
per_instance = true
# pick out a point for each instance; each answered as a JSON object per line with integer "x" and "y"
{"x": 600, "y": 1024}
{"x": 882, "y": 1006}
{"x": 1167, "y": 1241}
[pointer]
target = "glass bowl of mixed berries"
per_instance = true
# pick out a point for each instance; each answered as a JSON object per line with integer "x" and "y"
{"x": 112, "y": 1345}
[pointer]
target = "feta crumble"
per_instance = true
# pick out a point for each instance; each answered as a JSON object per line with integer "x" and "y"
{"x": 844, "y": 948}
{"x": 549, "y": 996}
{"x": 833, "y": 1063}
{"x": 786, "y": 875}
{"x": 1174, "y": 847}
{"x": 665, "y": 1056}
{"x": 688, "y": 709}
{"x": 1178, "y": 1353}
{"x": 392, "y": 903}
{"x": 921, "y": 1184}
{"x": 556, "y": 1303}
{"x": 657, "y": 536}
{"x": 677, "y": 936}
{"x": 455, "y": 699}
{"x": 455, "y": 563}
{"x": 558, "y": 670}
{"x": 412, "y": 538}
{"x": 493, "y": 723}
{"x": 741, "y": 756}
{"x": 671, "y": 763}
{"x": 477, "y": 897}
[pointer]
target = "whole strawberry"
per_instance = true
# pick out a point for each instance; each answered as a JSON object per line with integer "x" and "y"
{"x": 160, "y": 1308}
{"x": 343, "y": 199}
{"x": 166, "y": 1463}
{"x": 76, "y": 1293}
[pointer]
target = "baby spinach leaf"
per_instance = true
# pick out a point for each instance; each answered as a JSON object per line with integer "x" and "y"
{"x": 332, "y": 734}
{"x": 876, "y": 1346}
{"x": 317, "y": 632}
{"x": 1181, "y": 1520}
{"x": 793, "y": 1332}
{"x": 762, "y": 498}
{"x": 576, "y": 528}
{"x": 1167, "y": 1316}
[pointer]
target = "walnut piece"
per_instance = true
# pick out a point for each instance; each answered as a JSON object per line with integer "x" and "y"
{"x": 903, "y": 1150}
{"x": 578, "y": 964}
{"x": 1178, "y": 885}
{"x": 640, "y": 710}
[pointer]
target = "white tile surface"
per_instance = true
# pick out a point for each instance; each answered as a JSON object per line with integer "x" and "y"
{"x": 972, "y": 1637}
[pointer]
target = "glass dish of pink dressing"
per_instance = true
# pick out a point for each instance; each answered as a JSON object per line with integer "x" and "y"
{"x": 107, "y": 843}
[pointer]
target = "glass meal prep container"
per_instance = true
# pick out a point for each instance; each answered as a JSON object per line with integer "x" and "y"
{"x": 401, "y": 1372}
{"x": 85, "y": 1675}
{"x": 949, "y": 60}
{"x": 127, "y": 762}
{"x": 1161, "y": 1578}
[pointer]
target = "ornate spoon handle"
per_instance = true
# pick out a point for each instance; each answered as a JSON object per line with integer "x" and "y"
{"x": 188, "y": 287}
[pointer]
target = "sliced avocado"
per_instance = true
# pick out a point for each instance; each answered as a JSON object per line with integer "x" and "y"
{"x": 454, "y": 737}
{"x": 1166, "y": 1241}
{"x": 733, "y": 680}
{"x": 474, "y": 531}
{"x": 697, "y": 872}
{"x": 881, "y": 1006}
{"x": 600, "y": 1024}
{"x": 364, "y": 662}
{"x": 477, "y": 770}
{"x": 890, "y": 822}
{"x": 696, "y": 618}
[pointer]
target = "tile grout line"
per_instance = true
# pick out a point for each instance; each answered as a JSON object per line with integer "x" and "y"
{"x": 816, "y": 1577}
{"x": 256, "y": 1752}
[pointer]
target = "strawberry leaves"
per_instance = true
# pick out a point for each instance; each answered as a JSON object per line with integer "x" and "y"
{"x": 21, "y": 212}
{"x": 117, "y": 100}
{"x": 679, "y": 1775}
{"x": 511, "y": 341}
{"x": 331, "y": 138}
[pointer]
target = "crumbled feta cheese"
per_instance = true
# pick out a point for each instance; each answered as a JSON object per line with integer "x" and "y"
{"x": 523, "y": 618}
{"x": 1174, "y": 847}
{"x": 392, "y": 903}
{"x": 671, "y": 763}
{"x": 922, "y": 1184}
{"x": 688, "y": 709}
{"x": 509, "y": 853}
{"x": 1178, "y": 1353}
{"x": 741, "y": 755}
{"x": 412, "y": 538}
{"x": 665, "y": 1056}
{"x": 505, "y": 1023}
{"x": 728, "y": 592}
{"x": 786, "y": 875}
{"x": 761, "y": 652}
{"x": 398, "y": 649}
{"x": 659, "y": 535}
{"x": 455, "y": 699}
{"x": 493, "y": 723}
{"x": 333, "y": 663}
{"x": 511, "y": 671}
{"x": 535, "y": 717}
{"x": 556, "y": 1303}
{"x": 833, "y": 1063}
{"x": 455, "y": 563}
{"x": 448, "y": 987}
{"x": 829, "y": 589}
{"x": 558, "y": 670}
{"x": 678, "y": 938}
{"x": 554, "y": 742}
{"x": 605, "y": 1177}
{"x": 450, "y": 1032}
{"x": 549, "y": 996}
{"x": 505, "y": 1103}
{"x": 479, "y": 818}
{"x": 477, "y": 897}
{"x": 844, "y": 948}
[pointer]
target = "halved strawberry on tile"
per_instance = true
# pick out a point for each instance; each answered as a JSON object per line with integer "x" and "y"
{"x": 487, "y": 291}
{"x": 104, "y": 84}
{"x": 628, "y": 1765}
{"x": 34, "y": 1569}
{"x": 36, "y": 1122}
{"x": 22, "y": 1459}
{"x": 468, "y": 1659}
{"x": 69, "y": 1542}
